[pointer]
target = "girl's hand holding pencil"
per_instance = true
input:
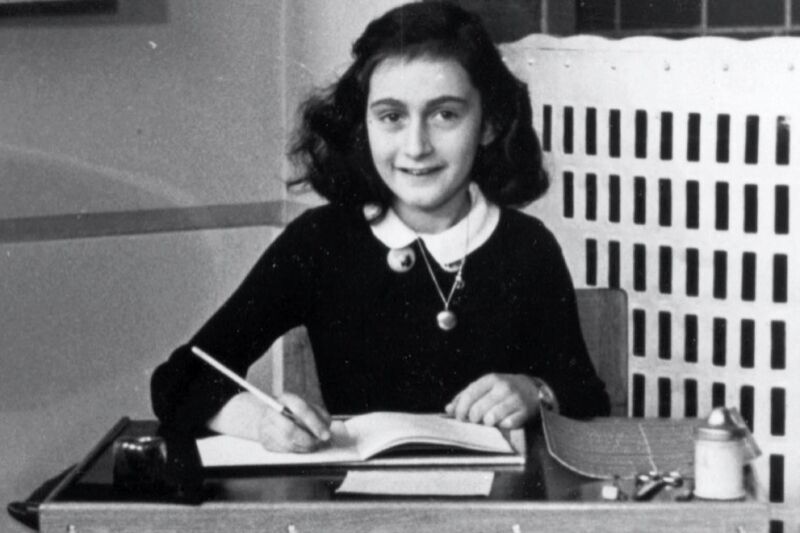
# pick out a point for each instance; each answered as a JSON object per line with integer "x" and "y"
{"x": 287, "y": 425}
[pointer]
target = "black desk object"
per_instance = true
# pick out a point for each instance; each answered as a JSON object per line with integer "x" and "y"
{"x": 542, "y": 496}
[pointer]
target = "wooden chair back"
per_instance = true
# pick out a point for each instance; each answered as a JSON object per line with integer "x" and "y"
{"x": 604, "y": 323}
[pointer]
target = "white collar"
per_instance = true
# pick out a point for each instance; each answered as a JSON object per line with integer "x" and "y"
{"x": 446, "y": 247}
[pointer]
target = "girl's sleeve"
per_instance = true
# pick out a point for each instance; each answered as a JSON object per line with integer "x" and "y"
{"x": 562, "y": 357}
{"x": 274, "y": 297}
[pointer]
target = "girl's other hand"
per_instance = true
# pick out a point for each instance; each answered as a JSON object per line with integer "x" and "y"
{"x": 503, "y": 400}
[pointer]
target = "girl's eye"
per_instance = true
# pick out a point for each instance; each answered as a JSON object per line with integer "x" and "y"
{"x": 391, "y": 117}
{"x": 446, "y": 116}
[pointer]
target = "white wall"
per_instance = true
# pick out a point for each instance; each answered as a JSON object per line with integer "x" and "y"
{"x": 181, "y": 110}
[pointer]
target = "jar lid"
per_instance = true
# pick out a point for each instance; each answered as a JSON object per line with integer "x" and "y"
{"x": 720, "y": 427}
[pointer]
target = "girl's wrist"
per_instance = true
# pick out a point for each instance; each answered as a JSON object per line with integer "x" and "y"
{"x": 546, "y": 396}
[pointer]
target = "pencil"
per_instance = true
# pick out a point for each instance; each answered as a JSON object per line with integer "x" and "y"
{"x": 265, "y": 398}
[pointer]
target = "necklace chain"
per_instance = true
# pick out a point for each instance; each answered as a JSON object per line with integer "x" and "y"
{"x": 458, "y": 281}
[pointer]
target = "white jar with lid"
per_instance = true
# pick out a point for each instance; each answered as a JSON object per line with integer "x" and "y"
{"x": 719, "y": 458}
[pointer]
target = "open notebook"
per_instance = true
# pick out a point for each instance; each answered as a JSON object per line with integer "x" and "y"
{"x": 380, "y": 438}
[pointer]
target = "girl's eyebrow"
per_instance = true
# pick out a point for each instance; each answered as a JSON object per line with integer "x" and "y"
{"x": 446, "y": 99}
{"x": 387, "y": 102}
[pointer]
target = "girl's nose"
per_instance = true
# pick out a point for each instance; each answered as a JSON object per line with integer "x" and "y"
{"x": 417, "y": 140}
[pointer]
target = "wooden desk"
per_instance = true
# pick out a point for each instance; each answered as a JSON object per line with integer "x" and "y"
{"x": 543, "y": 496}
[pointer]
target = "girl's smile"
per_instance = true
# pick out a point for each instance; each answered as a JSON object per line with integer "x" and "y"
{"x": 424, "y": 123}
{"x": 420, "y": 171}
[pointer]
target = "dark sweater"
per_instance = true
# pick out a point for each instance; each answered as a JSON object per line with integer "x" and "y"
{"x": 373, "y": 331}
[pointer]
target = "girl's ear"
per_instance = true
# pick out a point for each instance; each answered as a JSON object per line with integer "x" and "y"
{"x": 488, "y": 134}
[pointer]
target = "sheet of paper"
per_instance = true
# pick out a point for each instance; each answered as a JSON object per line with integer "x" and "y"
{"x": 418, "y": 482}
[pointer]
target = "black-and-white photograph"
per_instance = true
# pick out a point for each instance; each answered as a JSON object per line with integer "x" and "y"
{"x": 386, "y": 265}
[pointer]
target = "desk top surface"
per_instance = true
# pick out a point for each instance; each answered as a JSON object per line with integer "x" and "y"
{"x": 542, "y": 494}
{"x": 540, "y": 479}
{"x": 188, "y": 482}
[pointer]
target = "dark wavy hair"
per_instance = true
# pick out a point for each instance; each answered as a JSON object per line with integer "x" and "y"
{"x": 330, "y": 146}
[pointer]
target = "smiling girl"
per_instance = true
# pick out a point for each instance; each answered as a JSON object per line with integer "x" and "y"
{"x": 421, "y": 287}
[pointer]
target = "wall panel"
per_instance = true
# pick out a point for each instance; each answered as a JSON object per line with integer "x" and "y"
{"x": 690, "y": 157}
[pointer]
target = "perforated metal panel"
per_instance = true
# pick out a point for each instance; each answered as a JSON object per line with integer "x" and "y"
{"x": 675, "y": 170}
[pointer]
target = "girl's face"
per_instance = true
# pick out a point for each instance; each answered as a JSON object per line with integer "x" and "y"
{"x": 424, "y": 124}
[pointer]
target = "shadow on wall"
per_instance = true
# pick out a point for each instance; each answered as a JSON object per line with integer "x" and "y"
{"x": 84, "y": 13}
{"x": 34, "y": 183}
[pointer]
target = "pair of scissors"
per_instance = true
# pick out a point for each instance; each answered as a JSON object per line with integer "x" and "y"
{"x": 650, "y": 484}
